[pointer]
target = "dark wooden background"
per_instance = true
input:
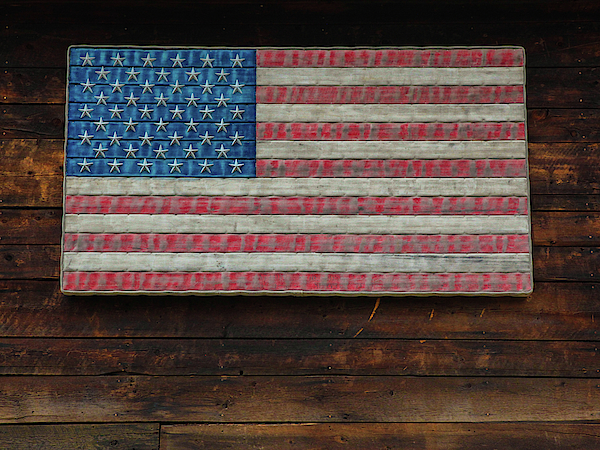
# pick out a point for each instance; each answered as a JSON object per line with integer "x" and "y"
{"x": 302, "y": 373}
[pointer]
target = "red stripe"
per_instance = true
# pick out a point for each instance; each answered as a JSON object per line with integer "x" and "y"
{"x": 389, "y": 94}
{"x": 377, "y": 168}
{"x": 488, "y": 131}
{"x": 285, "y": 281}
{"x": 298, "y": 243}
{"x": 507, "y": 57}
{"x": 81, "y": 204}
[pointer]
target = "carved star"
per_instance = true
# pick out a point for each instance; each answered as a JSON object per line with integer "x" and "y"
{"x": 130, "y": 151}
{"x": 85, "y": 165}
{"x": 85, "y": 111}
{"x": 191, "y": 125}
{"x": 163, "y": 75}
{"x": 146, "y": 139}
{"x": 237, "y": 87}
{"x": 118, "y": 60}
{"x": 101, "y": 98}
{"x": 222, "y": 151}
{"x": 147, "y": 87}
{"x": 115, "y": 165}
{"x": 160, "y": 151}
{"x": 102, "y": 73}
{"x": 236, "y": 139}
{"x": 222, "y": 126}
{"x": 145, "y": 165}
{"x": 116, "y": 112}
{"x": 177, "y": 112}
{"x": 132, "y": 73}
{"x": 85, "y": 138}
{"x": 87, "y": 86}
{"x": 222, "y": 75}
{"x": 192, "y": 100}
{"x": 207, "y": 87}
{"x": 161, "y": 125}
{"x": 101, "y": 124}
{"x": 222, "y": 101}
{"x": 207, "y": 61}
{"x": 190, "y": 151}
{"x": 176, "y": 87}
{"x": 177, "y": 61}
{"x": 205, "y": 166}
{"x": 193, "y": 75}
{"x": 100, "y": 151}
{"x": 130, "y": 125}
{"x": 146, "y": 112}
{"x": 237, "y": 112}
{"x": 175, "y": 138}
{"x": 117, "y": 86}
{"x": 131, "y": 100}
{"x": 207, "y": 112}
{"x": 175, "y": 166}
{"x": 237, "y": 61}
{"x": 115, "y": 139}
{"x": 148, "y": 60}
{"x": 161, "y": 99}
{"x": 88, "y": 60}
{"x": 236, "y": 167}
{"x": 206, "y": 138}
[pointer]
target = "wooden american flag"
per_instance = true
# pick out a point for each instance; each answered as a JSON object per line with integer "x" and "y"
{"x": 355, "y": 171}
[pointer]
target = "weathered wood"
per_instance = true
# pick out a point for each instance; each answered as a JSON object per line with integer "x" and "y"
{"x": 566, "y": 228}
{"x": 555, "y": 311}
{"x": 29, "y": 261}
{"x": 89, "y": 437}
{"x": 33, "y": 86}
{"x": 32, "y": 121}
{"x": 168, "y": 357}
{"x": 30, "y": 226}
{"x": 369, "y": 436}
{"x": 296, "y": 399}
{"x": 574, "y": 203}
{"x": 566, "y": 263}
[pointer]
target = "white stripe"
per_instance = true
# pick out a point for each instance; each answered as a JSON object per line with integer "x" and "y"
{"x": 390, "y": 149}
{"x": 267, "y": 112}
{"x": 330, "y": 224}
{"x": 378, "y": 76}
{"x": 294, "y": 262}
{"x": 311, "y": 187}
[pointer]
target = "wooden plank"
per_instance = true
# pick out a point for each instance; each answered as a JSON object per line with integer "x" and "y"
{"x": 99, "y": 436}
{"x": 296, "y": 399}
{"x": 32, "y": 121}
{"x": 249, "y": 357}
{"x": 29, "y": 261}
{"x": 555, "y": 311}
{"x": 33, "y": 86}
{"x": 368, "y": 436}
{"x": 566, "y": 263}
{"x": 564, "y": 125}
{"x": 574, "y": 203}
{"x": 26, "y": 226}
{"x": 566, "y": 228}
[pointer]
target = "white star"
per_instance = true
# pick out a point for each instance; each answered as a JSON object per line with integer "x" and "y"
{"x": 237, "y": 112}
{"x": 101, "y": 124}
{"x": 85, "y": 165}
{"x": 237, "y": 61}
{"x": 222, "y": 126}
{"x": 114, "y": 138}
{"x": 192, "y": 100}
{"x": 177, "y": 61}
{"x": 148, "y": 60}
{"x": 205, "y": 166}
{"x": 175, "y": 138}
{"x": 146, "y": 139}
{"x": 161, "y": 125}
{"x": 116, "y": 112}
{"x": 222, "y": 100}
{"x": 117, "y": 86}
{"x": 191, "y": 125}
{"x": 130, "y": 151}
{"x": 131, "y": 100}
{"x": 207, "y": 112}
{"x": 145, "y": 165}
{"x": 237, "y": 87}
{"x": 85, "y": 138}
{"x": 85, "y": 111}
{"x": 175, "y": 166}
{"x": 115, "y": 165}
{"x": 237, "y": 139}
{"x": 207, "y": 61}
{"x": 207, "y": 87}
{"x": 146, "y": 112}
{"x": 190, "y": 151}
{"x": 206, "y": 138}
{"x": 222, "y": 75}
{"x": 147, "y": 87}
{"x": 161, "y": 99}
{"x": 176, "y": 87}
{"x": 130, "y": 125}
{"x": 193, "y": 75}
{"x": 177, "y": 112}
{"x": 160, "y": 151}
{"x": 102, "y": 73}
{"x": 118, "y": 60}
{"x": 163, "y": 75}
{"x": 236, "y": 166}
{"x": 132, "y": 74}
{"x": 87, "y": 86}
{"x": 222, "y": 151}
{"x": 100, "y": 150}
{"x": 101, "y": 98}
{"x": 87, "y": 59}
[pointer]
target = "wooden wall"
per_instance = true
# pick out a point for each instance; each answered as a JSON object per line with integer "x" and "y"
{"x": 303, "y": 373}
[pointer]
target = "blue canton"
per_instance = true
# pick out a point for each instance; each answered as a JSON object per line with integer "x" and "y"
{"x": 161, "y": 112}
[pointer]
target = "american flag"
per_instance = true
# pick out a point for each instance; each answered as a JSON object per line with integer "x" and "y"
{"x": 355, "y": 171}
